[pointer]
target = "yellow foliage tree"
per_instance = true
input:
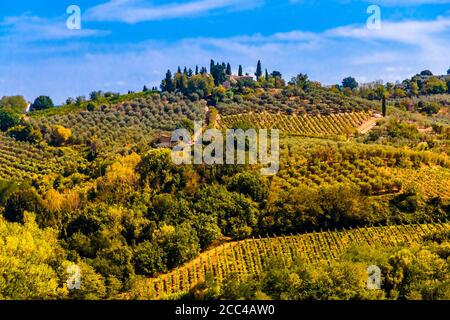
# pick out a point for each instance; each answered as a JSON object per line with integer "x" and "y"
{"x": 27, "y": 255}
{"x": 60, "y": 135}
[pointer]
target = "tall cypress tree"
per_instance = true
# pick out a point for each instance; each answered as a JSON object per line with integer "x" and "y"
{"x": 240, "y": 74}
{"x": 211, "y": 66}
{"x": 167, "y": 84}
{"x": 196, "y": 70}
{"x": 258, "y": 73}
{"x": 267, "y": 75}
{"x": 383, "y": 106}
{"x": 228, "y": 69}
{"x": 185, "y": 71}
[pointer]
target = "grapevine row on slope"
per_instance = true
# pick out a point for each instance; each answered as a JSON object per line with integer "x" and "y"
{"x": 306, "y": 125}
{"x": 24, "y": 161}
{"x": 431, "y": 181}
{"x": 250, "y": 256}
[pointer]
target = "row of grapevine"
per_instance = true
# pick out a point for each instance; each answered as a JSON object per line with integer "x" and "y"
{"x": 431, "y": 181}
{"x": 375, "y": 169}
{"x": 305, "y": 125}
{"x": 24, "y": 161}
{"x": 250, "y": 256}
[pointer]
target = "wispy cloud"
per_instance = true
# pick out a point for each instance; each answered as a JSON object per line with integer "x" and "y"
{"x": 134, "y": 11}
{"x": 398, "y": 50}
{"x": 408, "y": 32}
{"x": 33, "y": 28}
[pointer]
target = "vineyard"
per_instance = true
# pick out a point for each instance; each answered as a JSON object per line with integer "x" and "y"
{"x": 250, "y": 256}
{"x": 21, "y": 161}
{"x": 431, "y": 181}
{"x": 374, "y": 169}
{"x": 332, "y": 125}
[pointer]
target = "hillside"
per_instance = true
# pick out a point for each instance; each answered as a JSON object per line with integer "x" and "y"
{"x": 249, "y": 257}
{"x": 95, "y": 175}
{"x": 334, "y": 125}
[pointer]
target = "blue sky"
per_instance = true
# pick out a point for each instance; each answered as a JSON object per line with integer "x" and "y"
{"x": 124, "y": 44}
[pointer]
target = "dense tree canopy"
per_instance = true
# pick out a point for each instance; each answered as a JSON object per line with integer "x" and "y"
{"x": 42, "y": 103}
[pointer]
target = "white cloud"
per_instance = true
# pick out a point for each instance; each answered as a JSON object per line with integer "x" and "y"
{"x": 407, "y": 32}
{"x": 396, "y": 52}
{"x": 423, "y": 44}
{"x": 32, "y": 28}
{"x": 134, "y": 11}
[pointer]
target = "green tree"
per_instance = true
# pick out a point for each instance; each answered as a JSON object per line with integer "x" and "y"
{"x": 25, "y": 132}
{"x": 250, "y": 184}
{"x": 92, "y": 284}
{"x": 169, "y": 209}
{"x": 42, "y": 103}
{"x": 21, "y": 201}
{"x": 148, "y": 259}
{"x": 180, "y": 244}
{"x": 258, "y": 72}
{"x": 167, "y": 84}
{"x": 15, "y": 105}
{"x": 426, "y": 73}
{"x": 218, "y": 73}
{"x": 383, "y": 106}
{"x": 434, "y": 86}
{"x": 158, "y": 171}
{"x": 301, "y": 81}
{"x": 414, "y": 89}
{"x": 228, "y": 70}
{"x": 236, "y": 214}
{"x": 350, "y": 83}
{"x": 240, "y": 73}
{"x": 211, "y": 66}
{"x": 7, "y": 120}
{"x": 28, "y": 256}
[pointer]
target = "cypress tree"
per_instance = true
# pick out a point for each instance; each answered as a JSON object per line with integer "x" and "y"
{"x": 179, "y": 69}
{"x": 228, "y": 69}
{"x": 383, "y": 106}
{"x": 267, "y": 75}
{"x": 258, "y": 73}
{"x": 211, "y": 66}
{"x": 240, "y": 74}
{"x": 196, "y": 70}
{"x": 167, "y": 84}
